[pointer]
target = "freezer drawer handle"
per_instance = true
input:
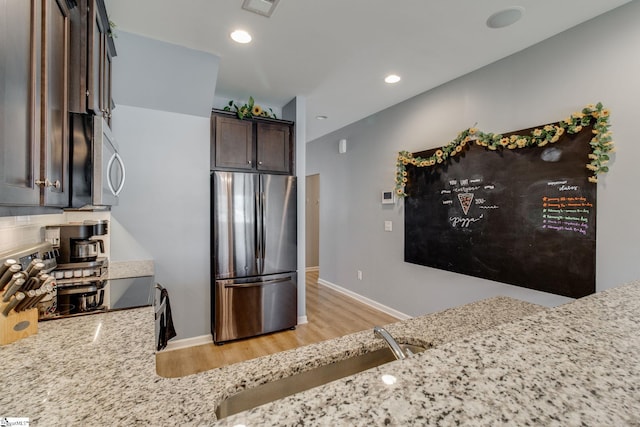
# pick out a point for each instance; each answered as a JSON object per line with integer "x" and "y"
{"x": 248, "y": 285}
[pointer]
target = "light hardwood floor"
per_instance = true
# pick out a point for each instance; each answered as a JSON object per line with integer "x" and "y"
{"x": 330, "y": 313}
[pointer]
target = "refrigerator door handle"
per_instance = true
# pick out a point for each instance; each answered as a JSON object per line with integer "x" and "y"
{"x": 252, "y": 284}
{"x": 258, "y": 231}
{"x": 263, "y": 244}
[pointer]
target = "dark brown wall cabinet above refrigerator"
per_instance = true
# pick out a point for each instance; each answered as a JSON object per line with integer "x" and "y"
{"x": 92, "y": 50}
{"x": 261, "y": 145}
{"x": 34, "y": 50}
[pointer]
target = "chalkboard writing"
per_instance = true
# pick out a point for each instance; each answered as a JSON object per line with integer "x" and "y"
{"x": 526, "y": 217}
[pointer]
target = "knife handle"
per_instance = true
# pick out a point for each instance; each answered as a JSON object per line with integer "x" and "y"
{"x": 14, "y": 288}
{"x": 32, "y": 284}
{"x": 27, "y": 299}
{"x": 35, "y": 268}
{"x": 8, "y": 274}
{"x": 14, "y": 301}
{"x": 40, "y": 294}
{"x": 5, "y": 265}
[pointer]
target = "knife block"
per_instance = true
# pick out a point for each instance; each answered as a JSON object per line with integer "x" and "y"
{"x": 18, "y": 325}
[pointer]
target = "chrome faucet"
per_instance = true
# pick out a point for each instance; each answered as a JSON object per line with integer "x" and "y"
{"x": 392, "y": 343}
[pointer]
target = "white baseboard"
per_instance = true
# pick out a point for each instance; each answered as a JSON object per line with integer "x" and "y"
{"x": 188, "y": 342}
{"x": 316, "y": 268}
{"x": 381, "y": 307}
{"x": 302, "y": 320}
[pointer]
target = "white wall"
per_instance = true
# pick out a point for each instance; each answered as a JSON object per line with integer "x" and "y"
{"x": 596, "y": 61}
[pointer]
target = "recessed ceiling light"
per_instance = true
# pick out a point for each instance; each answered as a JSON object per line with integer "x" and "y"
{"x": 505, "y": 17}
{"x": 321, "y": 117}
{"x": 241, "y": 36}
{"x": 392, "y": 78}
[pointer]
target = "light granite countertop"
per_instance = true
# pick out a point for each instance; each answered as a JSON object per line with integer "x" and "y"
{"x": 126, "y": 269}
{"x": 497, "y": 361}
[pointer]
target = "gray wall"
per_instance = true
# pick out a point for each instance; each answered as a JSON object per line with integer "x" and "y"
{"x": 295, "y": 110}
{"x": 162, "y": 76}
{"x": 164, "y": 95}
{"x": 596, "y": 61}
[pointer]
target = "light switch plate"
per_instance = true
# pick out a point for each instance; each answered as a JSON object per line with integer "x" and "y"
{"x": 388, "y": 226}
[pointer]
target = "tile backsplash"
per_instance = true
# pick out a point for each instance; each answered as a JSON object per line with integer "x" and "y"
{"x": 16, "y": 231}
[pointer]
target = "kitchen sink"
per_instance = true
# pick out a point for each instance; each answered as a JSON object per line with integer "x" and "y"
{"x": 287, "y": 386}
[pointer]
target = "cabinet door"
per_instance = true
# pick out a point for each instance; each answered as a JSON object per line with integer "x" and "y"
{"x": 233, "y": 145}
{"x": 100, "y": 52}
{"x": 19, "y": 73}
{"x": 78, "y": 60}
{"x": 105, "y": 85}
{"x": 54, "y": 169}
{"x": 97, "y": 49}
{"x": 274, "y": 147}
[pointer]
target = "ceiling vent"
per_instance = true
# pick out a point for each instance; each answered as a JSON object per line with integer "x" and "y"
{"x": 261, "y": 7}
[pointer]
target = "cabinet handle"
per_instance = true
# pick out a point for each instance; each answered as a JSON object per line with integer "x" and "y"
{"x": 249, "y": 162}
{"x": 259, "y": 163}
{"x": 46, "y": 183}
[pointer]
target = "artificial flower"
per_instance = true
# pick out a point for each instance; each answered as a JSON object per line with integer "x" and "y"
{"x": 249, "y": 110}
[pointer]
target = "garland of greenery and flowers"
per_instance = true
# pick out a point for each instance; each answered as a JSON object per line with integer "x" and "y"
{"x": 601, "y": 143}
{"x": 249, "y": 110}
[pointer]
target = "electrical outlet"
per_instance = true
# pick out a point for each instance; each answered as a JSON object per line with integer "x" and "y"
{"x": 359, "y": 275}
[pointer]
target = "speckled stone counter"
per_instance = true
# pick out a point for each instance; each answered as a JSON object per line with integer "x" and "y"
{"x": 573, "y": 365}
{"x": 125, "y": 269}
{"x": 100, "y": 370}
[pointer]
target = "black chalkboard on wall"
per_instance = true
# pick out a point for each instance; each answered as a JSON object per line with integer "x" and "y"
{"x": 525, "y": 217}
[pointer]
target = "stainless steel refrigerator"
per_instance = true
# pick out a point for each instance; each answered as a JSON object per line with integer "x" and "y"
{"x": 254, "y": 254}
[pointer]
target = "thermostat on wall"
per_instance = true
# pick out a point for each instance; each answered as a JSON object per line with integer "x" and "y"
{"x": 388, "y": 198}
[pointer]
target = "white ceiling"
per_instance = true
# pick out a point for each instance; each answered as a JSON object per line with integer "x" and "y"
{"x": 336, "y": 53}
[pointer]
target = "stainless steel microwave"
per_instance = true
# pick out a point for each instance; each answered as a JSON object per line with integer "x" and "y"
{"x": 97, "y": 173}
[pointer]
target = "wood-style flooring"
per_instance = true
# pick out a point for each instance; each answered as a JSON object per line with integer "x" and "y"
{"x": 330, "y": 315}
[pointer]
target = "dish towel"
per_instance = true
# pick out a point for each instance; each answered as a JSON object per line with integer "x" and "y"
{"x": 167, "y": 330}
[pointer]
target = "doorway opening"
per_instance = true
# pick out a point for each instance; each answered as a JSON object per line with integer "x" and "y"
{"x": 312, "y": 219}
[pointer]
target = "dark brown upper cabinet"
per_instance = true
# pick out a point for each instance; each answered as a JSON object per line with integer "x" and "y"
{"x": 257, "y": 144}
{"x": 273, "y": 147}
{"x": 233, "y": 147}
{"x": 34, "y": 52}
{"x": 92, "y": 51}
